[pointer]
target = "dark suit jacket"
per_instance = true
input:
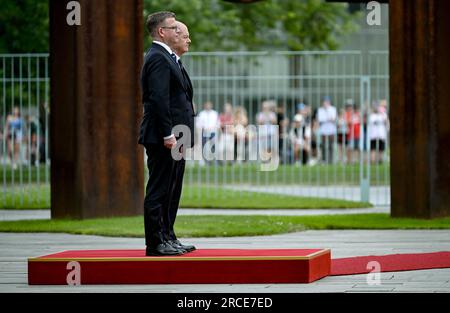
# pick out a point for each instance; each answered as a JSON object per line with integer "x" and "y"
{"x": 167, "y": 97}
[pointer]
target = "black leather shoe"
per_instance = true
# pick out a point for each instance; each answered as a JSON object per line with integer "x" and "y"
{"x": 163, "y": 249}
{"x": 178, "y": 245}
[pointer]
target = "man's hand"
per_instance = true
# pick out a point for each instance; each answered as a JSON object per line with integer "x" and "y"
{"x": 170, "y": 143}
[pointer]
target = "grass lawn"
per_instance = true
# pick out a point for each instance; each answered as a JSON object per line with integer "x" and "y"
{"x": 224, "y": 226}
{"x": 38, "y": 197}
{"x": 25, "y": 197}
{"x": 209, "y": 197}
{"x": 319, "y": 175}
{"x": 25, "y": 174}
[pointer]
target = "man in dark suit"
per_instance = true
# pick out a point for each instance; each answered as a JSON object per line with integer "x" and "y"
{"x": 167, "y": 98}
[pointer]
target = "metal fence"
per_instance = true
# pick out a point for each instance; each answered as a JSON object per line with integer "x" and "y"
{"x": 24, "y": 119}
{"x": 291, "y": 85}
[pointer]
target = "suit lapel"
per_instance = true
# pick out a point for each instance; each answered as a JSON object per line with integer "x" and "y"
{"x": 172, "y": 63}
{"x": 190, "y": 90}
{"x": 188, "y": 81}
{"x": 181, "y": 74}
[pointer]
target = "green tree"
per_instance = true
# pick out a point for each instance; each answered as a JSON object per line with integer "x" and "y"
{"x": 267, "y": 24}
{"x": 24, "y": 26}
{"x": 213, "y": 24}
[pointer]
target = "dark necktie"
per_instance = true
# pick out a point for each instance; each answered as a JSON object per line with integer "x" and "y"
{"x": 183, "y": 71}
{"x": 180, "y": 65}
{"x": 174, "y": 57}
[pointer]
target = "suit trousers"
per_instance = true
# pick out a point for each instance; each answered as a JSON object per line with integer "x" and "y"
{"x": 162, "y": 195}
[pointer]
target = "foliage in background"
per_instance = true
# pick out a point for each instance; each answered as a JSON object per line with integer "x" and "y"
{"x": 24, "y": 26}
{"x": 275, "y": 24}
{"x": 214, "y": 24}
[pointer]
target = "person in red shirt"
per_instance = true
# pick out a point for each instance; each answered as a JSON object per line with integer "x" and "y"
{"x": 353, "y": 121}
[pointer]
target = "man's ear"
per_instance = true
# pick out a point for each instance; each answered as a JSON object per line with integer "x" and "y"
{"x": 160, "y": 33}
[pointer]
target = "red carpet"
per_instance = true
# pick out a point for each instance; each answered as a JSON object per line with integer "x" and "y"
{"x": 204, "y": 266}
{"x": 139, "y": 255}
{"x": 217, "y": 266}
{"x": 391, "y": 263}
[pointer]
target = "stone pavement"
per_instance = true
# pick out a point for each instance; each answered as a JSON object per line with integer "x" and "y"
{"x": 17, "y": 215}
{"x": 16, "y": 248}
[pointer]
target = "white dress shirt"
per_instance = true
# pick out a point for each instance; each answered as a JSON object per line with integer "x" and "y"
{"x": 327, "y": 120}
{"x": 208, "y": 120}
{"x": 377, "y": 126}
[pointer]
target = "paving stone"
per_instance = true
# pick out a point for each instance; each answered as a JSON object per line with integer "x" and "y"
{"x": 16, "y": 248}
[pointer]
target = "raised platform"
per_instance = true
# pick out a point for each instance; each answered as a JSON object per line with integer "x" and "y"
{"x": 204, "y": 266}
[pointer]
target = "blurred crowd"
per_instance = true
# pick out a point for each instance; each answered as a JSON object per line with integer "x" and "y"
{"x": 22, "y": 139}
{"x": 307, "y": 135}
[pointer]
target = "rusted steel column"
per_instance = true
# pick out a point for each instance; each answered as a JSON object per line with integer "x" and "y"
{"x": 96, "y": 165}
{"x": 420, "y": 108}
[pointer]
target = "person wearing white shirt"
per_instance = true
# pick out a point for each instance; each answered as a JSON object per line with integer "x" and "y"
{"x": 327, "y": 117}
{"x": 208, "y": 123}
{"x": 377, "y": 132}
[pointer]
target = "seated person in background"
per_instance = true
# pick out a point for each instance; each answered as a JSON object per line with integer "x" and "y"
{"x": 300, "y": 138}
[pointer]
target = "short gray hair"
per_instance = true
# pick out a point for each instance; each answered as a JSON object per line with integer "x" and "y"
{"x": 156, "y": 19}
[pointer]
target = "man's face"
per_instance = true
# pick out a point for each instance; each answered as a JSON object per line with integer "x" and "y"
{"x": 184, "y": 40}
{"x": 169, "y": 32}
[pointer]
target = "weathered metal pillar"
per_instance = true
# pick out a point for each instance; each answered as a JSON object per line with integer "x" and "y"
{"x": 420, "y": 108}
{"x": 96, "y": 165}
